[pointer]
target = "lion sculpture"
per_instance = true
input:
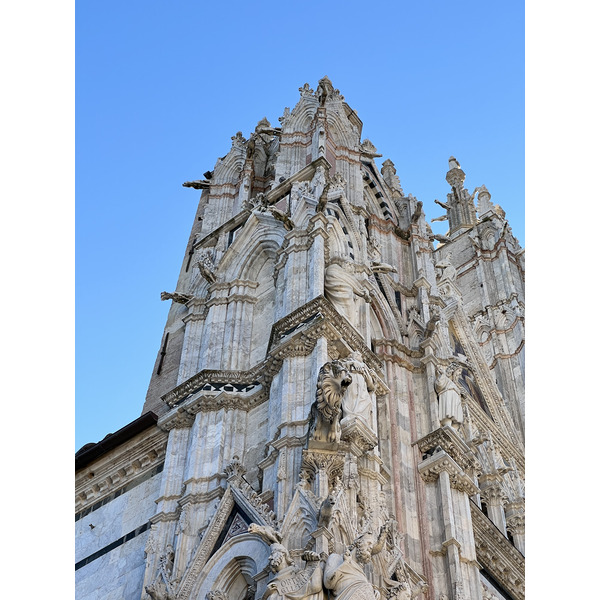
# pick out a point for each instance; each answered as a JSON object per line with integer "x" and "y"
{"x": 325, "y": 412}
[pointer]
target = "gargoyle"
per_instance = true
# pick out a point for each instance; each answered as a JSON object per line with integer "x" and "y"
{"x": 281, "y": 216}
{"x": 268, "y": 534}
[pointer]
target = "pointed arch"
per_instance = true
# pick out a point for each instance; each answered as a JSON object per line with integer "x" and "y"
{"x": 258, "y": 240}
{"x": 234, "y": 564}
{"x": 228, "y": 168}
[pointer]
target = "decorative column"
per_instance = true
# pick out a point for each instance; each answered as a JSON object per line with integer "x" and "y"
{"x": 494, "y": 496}
{"x": 515, "y": 523}
{"x": 164, "y": 521}
{"x": 455, "y": 567}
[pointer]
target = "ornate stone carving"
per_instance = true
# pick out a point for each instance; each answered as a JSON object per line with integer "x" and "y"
{"x": 267, "y": 533}
{"x": 306, "y": 91}
{"x": 235, "y": 470}
{"x": 176, "y": 297}
{"x": 450, "y": 407}
{"x": 326, "y": 92}
{"x": 217, "y": 595}
{"x": 344, "y": 575}
{"x": 445, "y": 270}
{"x": 359, "y": 400}
{"x": 206, "y": 266}
{"x": 388, "y": 170}
{"x": 368, "y": 149}
{"x": 238, "y": 141}
{"x": 325, "y": 412}
{"x": 341, "y": 285}
{"x": 163, "y": 586}
{"x": 257, "y": 203}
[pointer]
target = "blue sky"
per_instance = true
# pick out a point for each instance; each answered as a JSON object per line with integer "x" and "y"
{"x": 162, "y": 87}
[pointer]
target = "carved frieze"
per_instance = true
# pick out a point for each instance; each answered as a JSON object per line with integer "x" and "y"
{"x": 497, "y": 555}
{"x": 118, "y": 469}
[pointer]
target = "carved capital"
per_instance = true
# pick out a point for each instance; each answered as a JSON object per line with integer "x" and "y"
{"x": 360, "y": 437}
{"x": 317, "y": 460}
{"x": 431, "y": 468}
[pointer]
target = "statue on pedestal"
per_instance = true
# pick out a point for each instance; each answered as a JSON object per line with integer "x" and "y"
{"x": 325, "y": 412}
{"x": 359, "y": 399}
{"x": 450, "y": 406}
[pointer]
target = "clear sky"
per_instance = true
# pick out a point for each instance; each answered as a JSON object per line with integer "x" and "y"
{"x": 161, "y": 88}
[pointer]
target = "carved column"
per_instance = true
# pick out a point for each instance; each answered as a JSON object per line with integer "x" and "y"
{"x": 454, "y": 561}
{"x": 494, "y": 496}
{"x": 316, "y": 258}
{"x": 515, "y": 523}
{"x": 167, "y": 513}
{"x": 190, "y": 353}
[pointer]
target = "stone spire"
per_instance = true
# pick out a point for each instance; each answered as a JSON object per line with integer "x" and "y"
{"x": 460, "y": 206}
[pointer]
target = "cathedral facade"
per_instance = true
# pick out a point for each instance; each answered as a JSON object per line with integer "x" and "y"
{"x": 337, "y": 405}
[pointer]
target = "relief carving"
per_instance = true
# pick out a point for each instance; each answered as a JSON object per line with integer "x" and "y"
{"x": 344, "y": 575}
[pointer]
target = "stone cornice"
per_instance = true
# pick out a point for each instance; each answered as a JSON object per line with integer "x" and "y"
{"x": 447, "y": 439}
{"x": 209, "y": 377}
{"x": 497, "y": 555}
{"x": 337, "y": 327}
{"x": 119, "y": 467}
{"x": 431, "y": 468}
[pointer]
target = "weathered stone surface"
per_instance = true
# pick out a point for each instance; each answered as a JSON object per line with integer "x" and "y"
{"x": 339, "y": 391}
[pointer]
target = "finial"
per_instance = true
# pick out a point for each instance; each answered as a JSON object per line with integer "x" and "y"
{"x": 453, "y": 163}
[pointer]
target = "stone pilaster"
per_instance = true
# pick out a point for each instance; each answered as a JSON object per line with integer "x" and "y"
{"x": 454, "y": 561}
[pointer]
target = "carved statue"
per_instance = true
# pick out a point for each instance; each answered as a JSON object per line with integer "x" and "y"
{"x": 359, "y": 399}
{"x": 176, "y": 297}
{"x": 291, "y": 582}
{"x": 163, "y": 586}
{"x": 332, "y": 383}
{"x": 206, "y": 265}
{"x": 445, "y": 269}
{"x": 340, "y": 288}
{"x": 344, "y": 575}
{"x": 326, "y": 510}
{"x": 418, "y": 212}
{"x": 450, "y": 407}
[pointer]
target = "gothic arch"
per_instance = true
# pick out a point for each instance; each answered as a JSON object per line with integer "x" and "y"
{"x": 256, "y": 243}
{"x": 228, "y": 168}
{"x": 341, "y": 130}
{"x": 236, "y": 562}
{"x": 384, "y": 315}
{"x": 301, "y": 117}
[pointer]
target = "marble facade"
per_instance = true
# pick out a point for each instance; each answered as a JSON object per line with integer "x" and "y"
{"x": 337, "y": 405}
